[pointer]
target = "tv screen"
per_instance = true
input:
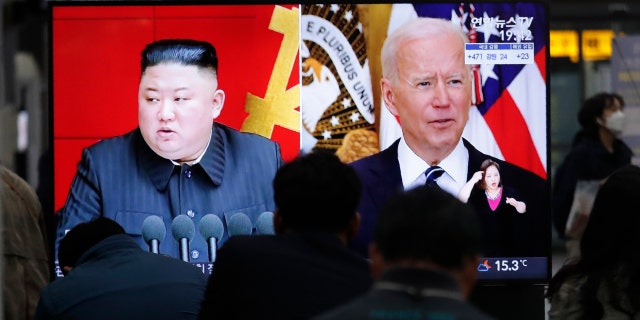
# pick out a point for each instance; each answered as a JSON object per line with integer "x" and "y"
{"x": 270, "y": 56}
{"x": 507, "y": 51}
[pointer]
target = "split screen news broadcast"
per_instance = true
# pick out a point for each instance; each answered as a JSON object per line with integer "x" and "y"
{"x": 307, "y": 77}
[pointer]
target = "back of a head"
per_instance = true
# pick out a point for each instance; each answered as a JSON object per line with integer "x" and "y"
{"x": 611, "y": 235}
{"x": 84, "y": 236}
{"x": 418, "y": 28}
{"x": 183, "y": 51}
{"x": 428, "y": 224}
{"x": 592, "y": 108}
{"x": 317, "y": 192}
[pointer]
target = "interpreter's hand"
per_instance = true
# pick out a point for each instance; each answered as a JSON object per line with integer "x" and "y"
{"x": 520, "y": 206}
{"x": 477, "y": 176}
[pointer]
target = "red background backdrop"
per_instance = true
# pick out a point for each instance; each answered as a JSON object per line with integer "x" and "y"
{"x": 96, "y": 69}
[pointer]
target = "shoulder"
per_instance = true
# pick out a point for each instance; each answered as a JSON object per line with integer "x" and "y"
{"x": 169, "y": 263}
{"x": 384, "y": 158}
{"x": 117, "y": 143}
{"x": 17, "y": 186}
{"x": 236, "y": 136}
{"x": 242, "y": 251}
{"x": 508, "y": 170}
{"x": 13, "y": 180}
{"x": 624, "y": 148}
{"x": 240, "y": 145}
{"x": 247, "y": 245}
{"x": 585, "y": 150}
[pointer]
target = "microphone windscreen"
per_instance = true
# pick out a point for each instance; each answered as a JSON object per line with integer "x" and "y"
{"x": 153, "y": 228}
{"x": 182, "y": 227}
{"x": 239, "y": 224}
{"x": 264, "y": 225}
{"x": 211, "y": 227}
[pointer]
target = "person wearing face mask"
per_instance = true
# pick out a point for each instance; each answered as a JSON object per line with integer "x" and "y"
{"x": 596, "y": 151}
{"x": 616, "y": 120}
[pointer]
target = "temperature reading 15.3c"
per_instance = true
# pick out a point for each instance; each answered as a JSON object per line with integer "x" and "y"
{"x": 510, "y": 265}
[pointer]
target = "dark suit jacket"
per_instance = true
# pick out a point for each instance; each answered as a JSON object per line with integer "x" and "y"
{"x": 115, "y": 279}
{"x": 380, "y": 175}
{"x": 292, "y": 276}
{"x": 122, "y": 179}
{"x": 441, "y": 299}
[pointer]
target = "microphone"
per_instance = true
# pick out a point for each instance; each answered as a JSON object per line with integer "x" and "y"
{"x": 153, "y": 232}
{"x": 239, "y": 224}
{"x": 211, "y": 229}
{"x": 265, "y": 223}
{"x": 183, "y": 229}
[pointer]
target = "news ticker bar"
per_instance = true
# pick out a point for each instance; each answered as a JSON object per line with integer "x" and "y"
{"x": 488, "y": 269}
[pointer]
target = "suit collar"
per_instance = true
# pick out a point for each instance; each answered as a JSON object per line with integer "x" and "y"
{"x": 387, "y": 169}
{"x": 160, "y": 169}
{"x": 384, "y": 174}
{"x": 213, "y": 161}
{"x": 412, "y": 167}
{"x": 475, "y": 158}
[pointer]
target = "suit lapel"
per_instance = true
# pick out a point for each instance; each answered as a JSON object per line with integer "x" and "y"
{"x": 475, "y": 158}
{"x": 385, "y": 173}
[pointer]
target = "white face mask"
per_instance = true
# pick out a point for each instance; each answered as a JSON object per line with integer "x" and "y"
{"x": 615, "y": 122}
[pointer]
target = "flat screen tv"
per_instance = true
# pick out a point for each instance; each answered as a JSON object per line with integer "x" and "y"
{"x": 267, "y": 54}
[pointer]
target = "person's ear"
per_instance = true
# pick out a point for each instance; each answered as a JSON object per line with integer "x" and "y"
{"x": 387, "y": 95}
{"x": 217, "y": 103}
{"x": 354, "y": 225}
{"x": 468, "y": 275}
{"x": 66, "y": 269}
{"x": 278, "y": 225}
{"x": 601, "y": 120}
{"x": 377, "y": 261}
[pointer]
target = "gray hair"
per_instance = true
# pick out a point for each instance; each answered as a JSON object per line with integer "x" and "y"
{"x": 414, "y": 29}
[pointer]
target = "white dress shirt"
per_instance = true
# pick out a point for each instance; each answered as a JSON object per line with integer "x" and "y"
{"x": 412, "y": 168}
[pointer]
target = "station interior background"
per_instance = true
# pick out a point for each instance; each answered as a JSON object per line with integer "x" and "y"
{"x": 579, "y": 66}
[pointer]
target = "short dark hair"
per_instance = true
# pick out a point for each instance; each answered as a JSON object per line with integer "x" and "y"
{"x": 593, "y": 108}
{"x": 84, "y": 236}
{"x": 317, "y": 192}
{"x": 183, "y": 51}
{"x": 428, "y": 224}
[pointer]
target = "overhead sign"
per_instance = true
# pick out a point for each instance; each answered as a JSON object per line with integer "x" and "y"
{"x": 596, "y": 44}
{"x": 564, "y": 43}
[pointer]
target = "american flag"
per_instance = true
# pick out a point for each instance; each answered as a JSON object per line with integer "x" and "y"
{"x": 509, "y": 120}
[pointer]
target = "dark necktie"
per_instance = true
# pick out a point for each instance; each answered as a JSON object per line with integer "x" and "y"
{"x": 433, "y": 173}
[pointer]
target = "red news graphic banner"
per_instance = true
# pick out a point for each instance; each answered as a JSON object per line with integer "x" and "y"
{"x": 96, "y": 71}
